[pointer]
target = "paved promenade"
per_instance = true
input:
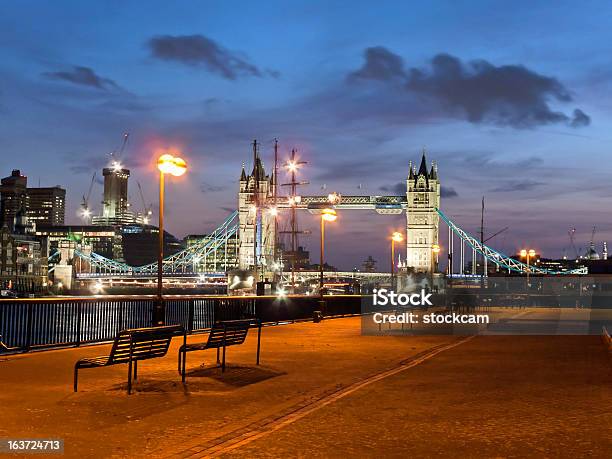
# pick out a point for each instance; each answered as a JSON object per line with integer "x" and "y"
{"x": 323, "y": 390}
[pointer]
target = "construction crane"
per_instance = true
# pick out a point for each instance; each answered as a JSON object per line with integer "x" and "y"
{"x": 572, "y": 233}
{"x": 591, "y": 252}
{"x": 147, "y": 211}
{"x": 85, "y": 210}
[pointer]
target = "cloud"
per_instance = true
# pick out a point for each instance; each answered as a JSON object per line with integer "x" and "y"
{"x": 448, "y": 192}
{"x": 580, "y": 119}
{"x": 380, "y": 64}
{"x": 83, "y": 76}
{"x": 399, "y": 189}
{"x": 506, "y": 95}
{"x": 513, "y": 186}
{"x": 195, "y": 50}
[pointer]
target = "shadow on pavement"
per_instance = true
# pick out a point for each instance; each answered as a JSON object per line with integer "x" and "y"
{"x": 236, "y": 375}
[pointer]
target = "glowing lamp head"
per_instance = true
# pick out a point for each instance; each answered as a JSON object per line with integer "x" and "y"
{"x": 292, "y": 166}
{"x": 436, "y": 248}
{"x": 333, "y": 198}
{"x": 329, "y": 215}
{"x": 397, "y": 237}
{"x": 117, "y": 166}
{"x": 172, "y": 165}
{"x": 532, "y": 253}
{"x": 523, "y": 253}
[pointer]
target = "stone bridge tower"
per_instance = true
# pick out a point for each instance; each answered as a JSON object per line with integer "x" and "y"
{"x": 256, "y": 228}
{"x": 422, "y": 220}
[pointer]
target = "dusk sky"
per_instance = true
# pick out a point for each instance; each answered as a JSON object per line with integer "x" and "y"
{"x": 510, "y": 98}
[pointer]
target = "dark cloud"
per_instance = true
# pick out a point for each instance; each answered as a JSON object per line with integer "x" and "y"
{"x": 448, "y": 192}
{"x": 197, "y": 50}
{"x": 507, "y": 95}
{"x": 580, "y": 119}
{"x": 83, "y": 76}
{"x": 513, "y": 186}
{"x": 399, "y": 189}
{"x": 380, "y": 64}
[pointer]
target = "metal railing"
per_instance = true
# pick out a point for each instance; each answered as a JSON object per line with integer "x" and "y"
{"x": 27, "y": 324}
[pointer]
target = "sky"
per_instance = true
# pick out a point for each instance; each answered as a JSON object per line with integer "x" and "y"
{"x": 509, "y": 98}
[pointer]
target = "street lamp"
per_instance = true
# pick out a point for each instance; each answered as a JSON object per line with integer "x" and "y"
{"x": 167, "y": 164}
{"x": 327, "y": 215}
{"x": 436, "y": 250}
{"x": 395, "y": 237}
{"x": 528, "y": 254}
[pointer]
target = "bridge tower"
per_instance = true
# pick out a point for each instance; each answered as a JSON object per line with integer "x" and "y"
{"x": 422, "y": 220}
{"x": 255, "y": 219}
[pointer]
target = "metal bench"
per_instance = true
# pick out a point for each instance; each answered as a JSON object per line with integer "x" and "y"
{"x": 133, "y": 345}
{"x": 222, "y": 335}
{"x": 3, "y": 347}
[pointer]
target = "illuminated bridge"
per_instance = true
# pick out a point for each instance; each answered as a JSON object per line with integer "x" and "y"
{"x": 213, "y": 255}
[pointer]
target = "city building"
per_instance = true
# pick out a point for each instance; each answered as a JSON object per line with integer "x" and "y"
{"x": 301, "y": 258}
{"x": 141, "y": 243}
{"x": 46, "y": 206}
{"x": 13, "y": 197}
{"x": 23, "y": 262}
{"x": 115, "y": 204}
{"x": 423, "y": 221}
{"x": 222, "y": 259}
{"x": 103, "y": 240}
{"x": 42, "y": 205}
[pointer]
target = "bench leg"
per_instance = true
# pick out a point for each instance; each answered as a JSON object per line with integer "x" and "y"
{"x": 218, "y": 361}
{"x": 76, "y": 377}
{"x": 223, "y": 363}
{"x": 258, "y": 342}
{"x": 135, "y": 370}
{"x": 184, "y": 372}
{"x": 129, "y": 385}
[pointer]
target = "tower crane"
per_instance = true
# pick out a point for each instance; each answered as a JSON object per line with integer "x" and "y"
{"x": 85, "y": 210}
{"x": 147, "y": 211}
{"x": 572, "y": 233}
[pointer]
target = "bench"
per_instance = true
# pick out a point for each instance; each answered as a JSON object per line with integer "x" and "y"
{"x": 222, "y": 335}
{"x": 133, "y": 345}
{"x": 3, "y": 347}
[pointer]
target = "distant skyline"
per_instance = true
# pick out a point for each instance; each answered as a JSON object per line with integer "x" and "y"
{"x": 508, "y": 98}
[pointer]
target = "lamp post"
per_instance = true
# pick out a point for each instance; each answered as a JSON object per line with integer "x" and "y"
{"x": 167, "y": 164}
{"x": 436, "y": 251}
{"x": 528, "y": 254}
{"x": 395, "y": 237}
{"x": 327, "y": 215}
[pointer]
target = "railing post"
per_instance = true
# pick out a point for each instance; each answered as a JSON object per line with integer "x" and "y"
{"x": 159, "y": 312}
{"x": 29, "y": 324}
{"x": 120, "y": 318}
{"x": 79, "y": 314}
{"x": 191, "y": 306}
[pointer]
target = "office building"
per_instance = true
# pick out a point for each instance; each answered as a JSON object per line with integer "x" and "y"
{"x": 46, "y": 206}
{"x": 13, "y": 197}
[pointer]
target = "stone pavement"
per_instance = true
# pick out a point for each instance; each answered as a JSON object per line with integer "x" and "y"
{"x": 324, "y": 390}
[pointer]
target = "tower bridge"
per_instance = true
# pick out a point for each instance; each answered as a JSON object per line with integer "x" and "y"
{"x": 247, "y": 238}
